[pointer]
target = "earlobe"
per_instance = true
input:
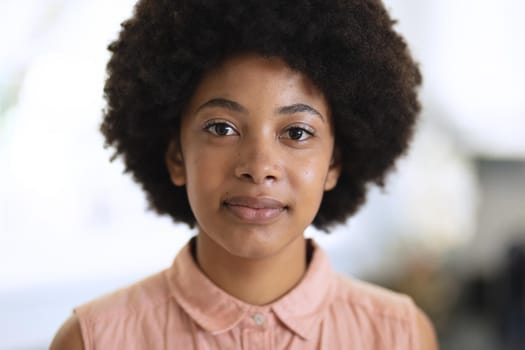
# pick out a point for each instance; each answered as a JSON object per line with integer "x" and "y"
{"x": 175, "y": 164}
{"x": 333, "y": 173}
{"x": 331, "y": 179}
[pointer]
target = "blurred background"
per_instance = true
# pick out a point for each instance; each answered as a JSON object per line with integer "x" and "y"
{"x": 449, "y": 229}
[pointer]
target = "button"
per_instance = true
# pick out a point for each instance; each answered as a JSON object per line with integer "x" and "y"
{"x": 259, "y": 319}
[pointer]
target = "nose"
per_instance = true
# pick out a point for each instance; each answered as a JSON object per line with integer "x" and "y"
{"x": 258, "y": 162}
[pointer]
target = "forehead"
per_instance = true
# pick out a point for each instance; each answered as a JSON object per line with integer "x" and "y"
{"x": 253, "y": 80}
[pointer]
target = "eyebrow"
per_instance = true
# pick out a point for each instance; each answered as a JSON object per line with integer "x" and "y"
{"x": 236, "y": 107}
{"x": 298, "y": 108}
{"x": 223, "y": 103}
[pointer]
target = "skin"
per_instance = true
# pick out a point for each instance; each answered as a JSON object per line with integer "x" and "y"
{"x": 256, "y": 154}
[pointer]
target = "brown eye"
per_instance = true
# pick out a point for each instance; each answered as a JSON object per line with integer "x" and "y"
{"x": 298, "y": 134}
{"x": 221, "y": 129}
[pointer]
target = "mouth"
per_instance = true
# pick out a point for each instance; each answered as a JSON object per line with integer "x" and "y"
{"x": 254, "y": 209}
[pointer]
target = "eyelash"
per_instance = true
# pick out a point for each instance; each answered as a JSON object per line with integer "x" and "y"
{"x": 211, "y": 127}
{"x": 304, "y": 132}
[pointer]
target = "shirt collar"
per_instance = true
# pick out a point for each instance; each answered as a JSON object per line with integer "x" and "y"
{"x": 301, "y": 309}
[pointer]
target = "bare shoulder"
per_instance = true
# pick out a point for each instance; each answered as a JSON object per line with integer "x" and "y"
{"x": 427, "y": 335}
{"x": 68, "y": 336}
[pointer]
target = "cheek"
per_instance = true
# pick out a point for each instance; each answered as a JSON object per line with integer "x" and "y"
{"x": 202, "y": 184}
{"x": 205, "y": 170}
{"x": 312, "y": 172}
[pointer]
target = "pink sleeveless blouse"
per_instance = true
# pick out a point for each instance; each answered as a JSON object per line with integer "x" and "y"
{"x": 180, "y": 308}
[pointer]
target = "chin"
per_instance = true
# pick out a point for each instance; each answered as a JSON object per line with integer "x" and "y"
{"x": 256, "y": 244}
{"x": 253, "y": 249}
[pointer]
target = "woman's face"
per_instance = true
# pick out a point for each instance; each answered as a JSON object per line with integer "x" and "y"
{"x": 255, "y": 155}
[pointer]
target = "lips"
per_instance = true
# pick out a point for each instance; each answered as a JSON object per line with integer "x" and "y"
{"x": 255, "y": 210}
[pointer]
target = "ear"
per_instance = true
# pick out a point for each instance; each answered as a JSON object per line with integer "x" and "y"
{"x": 333, "y": 172}
{"x": 175, "y": 163}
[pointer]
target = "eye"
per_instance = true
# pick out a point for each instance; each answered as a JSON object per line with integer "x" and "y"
{"x": 297, "y": 133}
{"x": 220, "y": 129}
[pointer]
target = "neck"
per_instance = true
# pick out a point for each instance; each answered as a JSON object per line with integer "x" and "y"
{"x": 255, "y": 281}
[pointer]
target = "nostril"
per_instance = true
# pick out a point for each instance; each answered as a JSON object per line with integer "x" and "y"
{"x": 257, "y": 169}
{"x": 257, "y": 179}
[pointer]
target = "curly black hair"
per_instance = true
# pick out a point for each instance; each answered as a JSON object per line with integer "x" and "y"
{"x": 348, "y": 48}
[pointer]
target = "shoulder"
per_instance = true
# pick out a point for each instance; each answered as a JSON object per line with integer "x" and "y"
{"x": 427, "y": 335}
{"x": 100, "y": 322}
{"x": 374, "y": 299}
{"x": 380, "y": 307}
{"x": 134, "y": 299}
{"x": 69, "y": 336}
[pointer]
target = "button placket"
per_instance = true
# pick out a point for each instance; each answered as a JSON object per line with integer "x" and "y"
{"x": 256, "y": 335}
{"x": 259, "y": 318}
{"x": 254, "y": 339}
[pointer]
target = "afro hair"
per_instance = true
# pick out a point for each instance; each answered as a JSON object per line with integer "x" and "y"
{"x": 348, "y": 48}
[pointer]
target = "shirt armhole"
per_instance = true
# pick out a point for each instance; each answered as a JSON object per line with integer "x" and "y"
{"x": 85, "y": 329}
{"x": 414, "y": 339}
